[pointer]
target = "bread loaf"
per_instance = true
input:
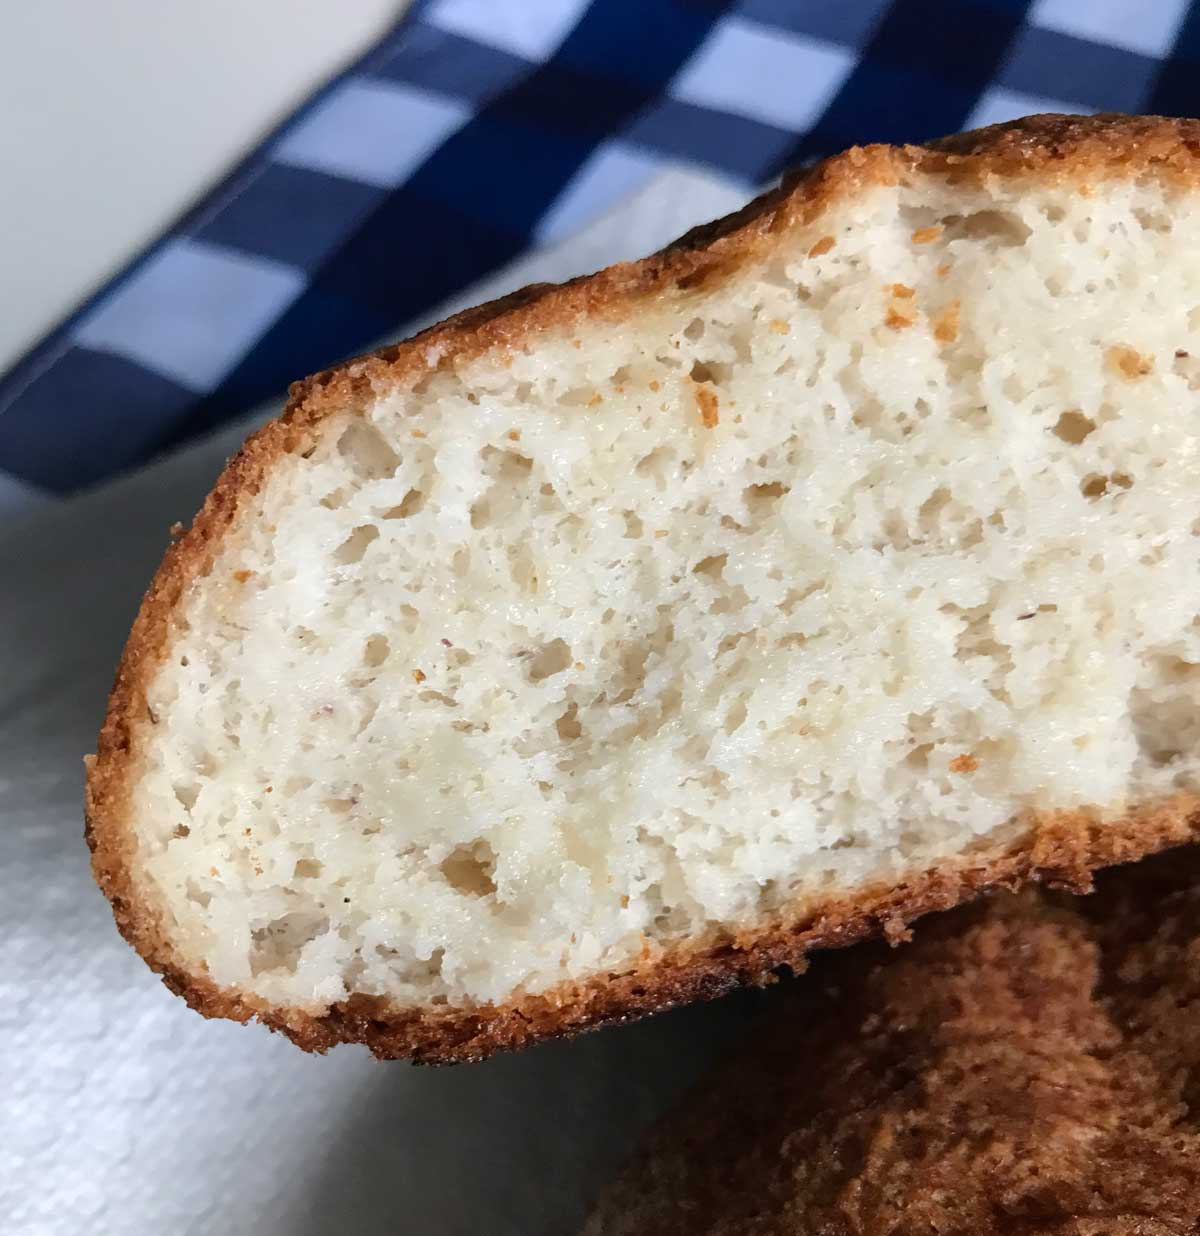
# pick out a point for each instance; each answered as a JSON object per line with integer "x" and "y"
{"x": 619, "y": 642}
{"x": 1027, "y": 1066}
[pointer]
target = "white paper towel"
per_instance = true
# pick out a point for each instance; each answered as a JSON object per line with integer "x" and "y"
{"x": 120, "y": 1110}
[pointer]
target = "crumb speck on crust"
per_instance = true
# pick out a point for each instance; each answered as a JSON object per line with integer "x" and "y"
{"x": 707, "y": 402}
{"x": 946, "y": 324}
{"x": 1128, "y": 362}
{"x": 902, "y": 308}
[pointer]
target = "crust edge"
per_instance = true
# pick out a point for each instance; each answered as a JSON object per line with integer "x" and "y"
{"x": 1059, "y": 848}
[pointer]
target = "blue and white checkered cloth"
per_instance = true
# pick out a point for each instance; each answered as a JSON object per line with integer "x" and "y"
{"x": 477, "y": 129}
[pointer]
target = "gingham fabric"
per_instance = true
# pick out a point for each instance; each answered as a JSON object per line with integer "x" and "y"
{"x": 479, "y": 128}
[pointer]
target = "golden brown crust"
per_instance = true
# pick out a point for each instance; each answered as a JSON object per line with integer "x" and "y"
{"x": 1075, "y": 149}
{"x": 1028, "y": 1066}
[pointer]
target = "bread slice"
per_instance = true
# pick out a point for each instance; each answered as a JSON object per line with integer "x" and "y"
{"x": 1027, "y": 1066}
{"x": 620, "y": 642}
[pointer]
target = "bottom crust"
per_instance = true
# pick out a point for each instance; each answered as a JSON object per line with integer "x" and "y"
{"x": 1027, "y": 1067}
{"x": 1062, "y": 849}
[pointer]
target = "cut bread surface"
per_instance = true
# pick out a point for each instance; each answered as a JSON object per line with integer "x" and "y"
{"x": 678, "y": 605}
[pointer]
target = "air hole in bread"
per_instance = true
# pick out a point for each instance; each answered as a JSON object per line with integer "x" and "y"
{"x": 368, "y": 711}
{"x": 712, "y": 566}
{"x": 1072, "y": 427}
{"x": 278, "y": 945}
{"x": 411, "y": 504}
{"x": 549, "y": 660}
{"x": 713, "y": 372}
{"x": 578, "y": 397}
{"x": 355, "y": 545}
{"x": 1153, "y": 220}
{"x": 197, "y": 895}
{"x": 469, "y": 870}
{"x": 632, "y": 660}
{"x": 367, "y": 452}
{"x": 375, "y": 651}
{"x": 1096, "y": 486}
{"x": 1187, "y": 366}
{"x": 760, "y": 499}
{"x": 660, "y": 465}
{"x": 187, "y": 793}
{"x": 523, "y": 572}
{"x": 1003, "y": 228}
{"x": 734, "y": 599}
{"x": 568, "y": 726}
{"x": 509, "y": 471}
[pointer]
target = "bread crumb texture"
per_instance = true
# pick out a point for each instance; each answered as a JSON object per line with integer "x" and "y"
{"x": 1027, "y": 1066}
{"x": 644, "y": 627}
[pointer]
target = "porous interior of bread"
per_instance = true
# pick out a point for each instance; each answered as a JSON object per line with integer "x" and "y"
{"x": 659, "y": 624}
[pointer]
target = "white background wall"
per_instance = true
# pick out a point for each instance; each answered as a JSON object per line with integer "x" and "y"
{"x": 116, "y": 114}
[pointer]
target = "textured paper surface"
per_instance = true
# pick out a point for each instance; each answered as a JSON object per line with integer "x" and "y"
{"x": 120, "y": 1110}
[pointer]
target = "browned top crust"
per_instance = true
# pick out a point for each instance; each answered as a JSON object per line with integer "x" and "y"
{"x": 1029, "y": 1065}
{"x": 1078, "y": 150}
